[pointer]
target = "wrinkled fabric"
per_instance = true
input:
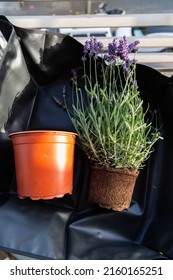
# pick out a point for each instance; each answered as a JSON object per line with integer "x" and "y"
{"x": 35, "y": 68}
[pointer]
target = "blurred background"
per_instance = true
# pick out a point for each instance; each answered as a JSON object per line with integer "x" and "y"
{"x": 84, "y": 6}
{"x": 73, "y": 7}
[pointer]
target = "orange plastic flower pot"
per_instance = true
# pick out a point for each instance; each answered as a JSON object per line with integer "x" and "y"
{"x": 44, "y": 163}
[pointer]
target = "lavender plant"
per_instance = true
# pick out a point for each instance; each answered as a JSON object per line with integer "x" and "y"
{"x": 110, "y": 120}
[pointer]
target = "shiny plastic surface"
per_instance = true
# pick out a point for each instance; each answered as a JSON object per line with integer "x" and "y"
{"x": 70, "y": 227}
{"x": 44, "y": 163}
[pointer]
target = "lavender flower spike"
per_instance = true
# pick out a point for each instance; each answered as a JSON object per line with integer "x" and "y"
{"x": 112, "y": 51}
{"x": 93, "y": 47}
{"x": 123, "y": 49}
{"x": 133, "y": 46}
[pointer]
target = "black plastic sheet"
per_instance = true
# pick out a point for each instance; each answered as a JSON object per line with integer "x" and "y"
{"x": 34, "y": 69}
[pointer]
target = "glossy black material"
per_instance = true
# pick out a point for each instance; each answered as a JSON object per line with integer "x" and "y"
{"x": 35, "y": 68}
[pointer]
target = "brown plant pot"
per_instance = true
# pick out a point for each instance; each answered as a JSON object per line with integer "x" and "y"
{"x": 44, "y": 163}
{"x": 113, "y": 188}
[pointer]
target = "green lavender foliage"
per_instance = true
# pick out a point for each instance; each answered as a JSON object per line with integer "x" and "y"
{"x": 112, "y": 128}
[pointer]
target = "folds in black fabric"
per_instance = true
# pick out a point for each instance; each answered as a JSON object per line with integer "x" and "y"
{"x": 6, "y": 163}
{"x": 35, "y": 68}
{"x": 35, "y": 229}
{"x": 161, "y": 225}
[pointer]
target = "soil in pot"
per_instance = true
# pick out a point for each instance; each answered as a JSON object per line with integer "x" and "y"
{"x": 112, "y": 188}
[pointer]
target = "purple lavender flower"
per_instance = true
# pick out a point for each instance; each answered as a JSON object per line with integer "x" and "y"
{"x": 93, "y": 47}
{"x": 133, "y": 46}
{"x": 118, "y": 52}
{"x": 123, "y": 49}
{"x": 113, "y": 47}
{"x": 112, "y": 52}
{"x": 74, "y": 76}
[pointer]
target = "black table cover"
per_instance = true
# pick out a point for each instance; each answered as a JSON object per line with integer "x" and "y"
{"x": 35, "y": 68}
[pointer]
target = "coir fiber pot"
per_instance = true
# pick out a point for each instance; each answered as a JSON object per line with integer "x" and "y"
{"x": 112, "y": 188}
{"x": 44, "y": 163}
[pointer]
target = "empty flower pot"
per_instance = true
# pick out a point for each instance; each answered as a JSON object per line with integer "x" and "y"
{"x": 44, "y": 163}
